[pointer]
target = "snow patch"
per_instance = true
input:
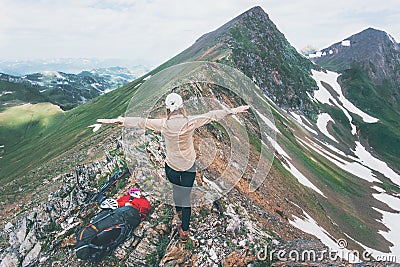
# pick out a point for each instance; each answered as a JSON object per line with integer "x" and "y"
{"x": 267, "y": 121}
{"x": 391, "y": 38}
{"x": 391, "y": 201}
{"x": 354, "y": 167}
{"x": 292, "y": 169}
{"x": 38, "y": 83}
{"x": 6, "y": 93}
{"x": 62, "y": 82}
{"x": 53, "y": 73}
{"x": 309, "y": 225}
{"x": 322, "y": 123}
{"x": 298, "y": 118}
{"x": 362, "y": 166}
{"x": 377, "y": 188}
{"x": 96, "y": 86}
{"x": 331, "y": 78}
{"x": 392, "y": 221}
{"x": 301, "y": 178}
{"x": 315, "y": 55}
{"x": 278, "y": 148}
{"x": 323, "y": 96}
{"x": 147, "y": 77}
{"x": 346, "y": 43}
{"x": 376, "y": 164}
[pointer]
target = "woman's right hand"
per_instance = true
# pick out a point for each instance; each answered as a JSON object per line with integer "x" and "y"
{"x": 119, "y": 121}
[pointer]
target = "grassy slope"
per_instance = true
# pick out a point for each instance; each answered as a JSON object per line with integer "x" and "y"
{"x": 349, "y": 198}
{"x": 347, "y": 195}
{"x": 383, "y": 136}
{"x": 375, "y": 99}
{"x": 20, "y": 93}
{"x": 34, "y": 140}
{"x": 20, "y": 122}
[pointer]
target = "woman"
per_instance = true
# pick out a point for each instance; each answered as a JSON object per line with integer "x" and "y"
{"x": 177, "y": 130}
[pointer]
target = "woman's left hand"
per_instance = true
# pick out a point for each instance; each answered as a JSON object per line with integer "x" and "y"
{"x": 240, "y": 109}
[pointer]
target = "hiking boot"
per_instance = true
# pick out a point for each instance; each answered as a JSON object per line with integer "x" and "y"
{"x": 177, "y": 219}
{"x": 184, "y": 235}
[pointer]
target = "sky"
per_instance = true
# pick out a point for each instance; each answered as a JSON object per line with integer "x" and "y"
{"x": 153, "y": 31}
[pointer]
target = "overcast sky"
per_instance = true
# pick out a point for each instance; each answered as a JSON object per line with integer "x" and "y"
{"x": 156, "y": 30}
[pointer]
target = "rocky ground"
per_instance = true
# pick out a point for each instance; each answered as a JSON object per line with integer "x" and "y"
{"x": 232, "y": 231}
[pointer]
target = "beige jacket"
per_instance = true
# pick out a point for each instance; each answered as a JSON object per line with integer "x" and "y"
{"x": 178, "y": 134}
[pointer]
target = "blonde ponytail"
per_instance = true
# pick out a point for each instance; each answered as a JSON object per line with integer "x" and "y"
{"x": 176, "y": 112}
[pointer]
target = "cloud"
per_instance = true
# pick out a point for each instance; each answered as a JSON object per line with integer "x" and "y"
{"x": 156, "y": 30}
{"x": 322, "y": 23}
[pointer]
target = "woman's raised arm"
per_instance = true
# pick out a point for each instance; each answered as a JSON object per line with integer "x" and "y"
{"x": 135, "y": 122}
{"x": 216, "y": 115}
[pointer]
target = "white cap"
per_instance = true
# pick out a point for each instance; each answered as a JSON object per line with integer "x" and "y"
{"x": 174, "y": 102}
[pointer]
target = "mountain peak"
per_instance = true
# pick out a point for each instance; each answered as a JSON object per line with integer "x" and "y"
{"x": 372, "y": 36}
{"x": 256, "y": 10}
{"x": 252, "y": 43}
{"x": 368, "y": 46}
{"x": 255, "y": 13}
{"x": 371, "y": 30}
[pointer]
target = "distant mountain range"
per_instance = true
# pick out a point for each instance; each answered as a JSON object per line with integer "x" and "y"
{"x": 67, "y": 65}
{"x": 63, "y": 89}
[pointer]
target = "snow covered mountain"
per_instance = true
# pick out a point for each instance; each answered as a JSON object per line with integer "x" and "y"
{"x": 63, "y": 89}
{"x": 358, "y": 160}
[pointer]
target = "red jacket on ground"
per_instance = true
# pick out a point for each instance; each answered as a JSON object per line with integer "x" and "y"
{"x": 141, "y": 204}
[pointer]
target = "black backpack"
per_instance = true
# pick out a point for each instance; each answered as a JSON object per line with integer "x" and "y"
{"x": 109, "y": 229}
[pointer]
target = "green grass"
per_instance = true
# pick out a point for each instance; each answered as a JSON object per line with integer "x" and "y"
{"x": 355, "y": 227}
{"x": 348, "y": 192}
{"x": 374, "y": 99}
{"x": 20, "y": 94}
{"x": 33, "y": 135}
{"x": 385, "y": 139}
{"x": 20, "y": 122}
{"x": 333, "y": 177}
